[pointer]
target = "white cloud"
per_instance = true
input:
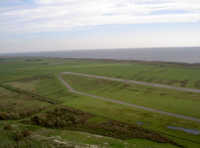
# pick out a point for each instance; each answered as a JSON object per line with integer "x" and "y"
{"x": 57, "y": 15}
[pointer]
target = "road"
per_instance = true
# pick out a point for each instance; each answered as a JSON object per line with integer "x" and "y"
{"x": 117, "y": 101}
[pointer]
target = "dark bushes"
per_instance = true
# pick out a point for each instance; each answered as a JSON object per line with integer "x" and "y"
{"x": 17, "y": 115}
{"x": 20, "y": 135}
{"x": 8, "y": 127}
{"x": 9, "y": 116}
{"x": 61, "y": 117}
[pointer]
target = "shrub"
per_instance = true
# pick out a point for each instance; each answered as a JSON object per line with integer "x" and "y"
{"x": 4, "y": 116}
{"x": 7, "y": 127}
{"x": 20, "y": 135}
{"x": 26, "y": 133}
{"x": 9, "y": 116}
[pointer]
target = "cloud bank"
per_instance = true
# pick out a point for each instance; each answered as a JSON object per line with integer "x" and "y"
{"x": 59, "y": 15}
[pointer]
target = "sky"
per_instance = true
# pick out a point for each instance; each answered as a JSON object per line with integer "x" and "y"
{"x": 50, "y": 25}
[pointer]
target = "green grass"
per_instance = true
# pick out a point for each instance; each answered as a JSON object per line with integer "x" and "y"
{"x": 52, "y": 88}
{"x": 126, "y": 114}
{"x": 15, "y": 70}
{"x": 113, "y": 111}
{"x": 171, "y": 74}
{"x": 96, "y": 120}
{"x": 158, "y": 98}
{"x": 183, "y": 76}
{"x": 69, "y": 118}
{"x": 29, "y": 86}
{"x": 16, "y": 106}
{"x": 47, "y": 86}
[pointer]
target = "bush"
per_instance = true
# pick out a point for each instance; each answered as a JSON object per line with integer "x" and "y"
{"x": 9, "y": 116}
{"x": 60, "y": 117}
{"x": 26, "y": 133}
{"x": 20, "y": 135}
{"x": 7, "y": 127}
{"x": 4, "y": 116}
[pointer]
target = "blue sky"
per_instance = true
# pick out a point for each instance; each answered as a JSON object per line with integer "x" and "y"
{"x": 42, "y": 25}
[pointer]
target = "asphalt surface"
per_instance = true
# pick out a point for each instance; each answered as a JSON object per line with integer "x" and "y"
{"x": 117, "y": 101}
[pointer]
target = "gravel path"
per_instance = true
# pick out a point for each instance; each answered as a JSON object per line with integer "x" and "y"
{"x": 117, "y": 101}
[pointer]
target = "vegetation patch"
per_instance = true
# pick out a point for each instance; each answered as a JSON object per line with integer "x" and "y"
{"x": 61, "y": 117}
{"x": 18, "y": 105}
{"x": 37, "y": 77}
{"x": 14, "y": 136}
{"x": 69, "y": 118}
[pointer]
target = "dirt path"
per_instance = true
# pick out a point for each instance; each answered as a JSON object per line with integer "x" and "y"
{"x": 120, "y": 102}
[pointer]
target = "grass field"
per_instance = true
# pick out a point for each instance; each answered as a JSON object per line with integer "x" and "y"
{"x": 177, "y": 75}
{"x": 39, "y": 76}
{"x": 158, "y": 98}
{"x": 172, "y": 74}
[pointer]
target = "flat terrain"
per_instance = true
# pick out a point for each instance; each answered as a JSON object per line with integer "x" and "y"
{"x": 121, "y": 102}
{"x": 136, "y": 82}
{"x": 32, "y": 97}
{"x": 158, "y": 98}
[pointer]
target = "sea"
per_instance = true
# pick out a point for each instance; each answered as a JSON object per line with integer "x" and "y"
{"x": 172, "y": 54}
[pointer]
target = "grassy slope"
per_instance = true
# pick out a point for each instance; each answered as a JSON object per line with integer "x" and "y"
{"x": 158, "y": 98}
{"x": 48, "y": 87}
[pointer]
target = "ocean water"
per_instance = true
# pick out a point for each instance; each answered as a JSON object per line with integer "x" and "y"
{"x": 184, "y": 55}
